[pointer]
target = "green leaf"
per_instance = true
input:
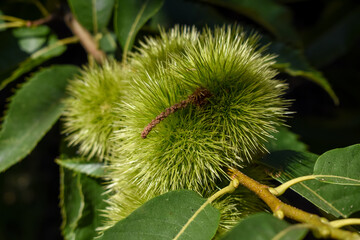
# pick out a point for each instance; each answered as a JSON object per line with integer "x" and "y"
{"x": 344, "y": 162}
{"x": 55, "y": 48}
{"x": 82, "y": 199}
{"x": 107, "y": 43}
{"x": 94, "y": 202}
{"x": 71, "y": 202}
{"x": 79, "y": 165}
{"x": 284, "y": 139}
{"x": 18, "y": 44}
{"x": 263, "y": 226}
{"x": 33, "y": 110}
{"x": 340, "y": 201}
{"x": 130, "y": 16}
{"x": 272, "y": 16}
{"x": 2, "y": 22}
{"x": 94, "y": 15}
{"x": 165, "y": 217}
{"x": 340, "y": 38}
{"x": 10, "y": 54}
{"x": 23, "y": 49}
{"x": 293, "y": 62}
{"x": 31, "y": 39}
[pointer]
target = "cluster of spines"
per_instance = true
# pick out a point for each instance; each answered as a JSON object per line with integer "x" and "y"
{"x": 192, "y": 147}
{"x": 89, "y": 110}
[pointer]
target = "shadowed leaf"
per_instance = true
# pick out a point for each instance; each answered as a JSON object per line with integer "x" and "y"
{"x": 293, "y": 62}
{"x": 79, "y": 165}
{"x": 94, "y": 15}
{"x": 130, "y": 16}
{"x": 271, "y": 15}
{"x": 336, "y": 41}
{"x": 33, "y": 110}
{"x": 71, "y": 202}
{"x": 54, "y": 49}
{"x": 82, "y": 199}
{"x": 284, "y": 139}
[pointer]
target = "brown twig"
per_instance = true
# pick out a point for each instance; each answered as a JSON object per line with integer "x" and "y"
{"x": 322, "y": 228}
{"x": 198, "y": 98}
{"x": 85, "y": 38}
{"x": 40, "y": 21}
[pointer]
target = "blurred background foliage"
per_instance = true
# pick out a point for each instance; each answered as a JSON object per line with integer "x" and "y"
{"x": 307, "y": 35}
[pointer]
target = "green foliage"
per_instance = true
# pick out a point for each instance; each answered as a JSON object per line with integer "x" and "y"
{"x": 338, "y": 200}
{"x": 293, "y": 62}
{"x": 92, "y": 14}
{"x": 130, "y": 16}
{"x": 166, "y": 217}
{"x": 284, "y": 139}
{"x": 82, "y": 199}
{"x": 53, "y": 49}
{"x": 72, "y": 202}
{"x": 107, "y": 43}
{"x": 263, "y": 226}
{"x": 32, "y": 46}
{"x": 29, "y": 117}
{"x": 93, "y": 169}
{"x": 342, "y": 162}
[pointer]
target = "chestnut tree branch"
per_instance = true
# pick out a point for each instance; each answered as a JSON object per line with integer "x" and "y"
{"x": 85, "y": 38}
{"x": 321, "y": 226}
{"x": 40, "y": 21}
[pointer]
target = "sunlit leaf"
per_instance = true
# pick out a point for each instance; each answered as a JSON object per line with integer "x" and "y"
{"x": 263, "y": 226}
{"x": 342, "y": 163}
{"x": 166, "y": 217}
{"x": 340, "y": 201}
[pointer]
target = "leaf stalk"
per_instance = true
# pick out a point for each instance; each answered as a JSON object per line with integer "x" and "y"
{"x": 322, "y": 227}
{"x": 345, "y": 222}
{"x": 228, "y": 189}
